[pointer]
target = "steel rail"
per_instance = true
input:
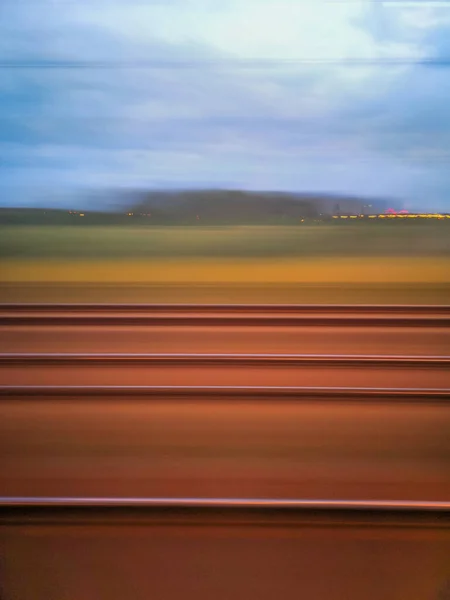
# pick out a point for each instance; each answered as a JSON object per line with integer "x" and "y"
{"x": 223, "y": 511}
{"x": 137, "y": 320}
{"x": 230, "y": 308}
{"x": 269, "y": 393}
{"x": 307, "y": 504}
{"x": 223, "y": 315}
{"x": 238, "y": 360}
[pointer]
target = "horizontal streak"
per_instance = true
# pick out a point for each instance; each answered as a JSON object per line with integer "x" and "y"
{"x": 192, "y": 315}
{"x": 210, "y": 320}
{"x": 91, "y": 359}
{"x": 254, "y": 392}
{"x": 152, "y": 3}
{"x": 226, "y": 503}
{"x": 223, "y": 321}
{"x": 223, "y": 511}
{"x": 178, "y": 307}
{"x": 225, "y": 64}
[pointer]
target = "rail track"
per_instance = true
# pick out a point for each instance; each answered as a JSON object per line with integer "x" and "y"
{"x": 225, "y": 372}
{"x": 129, "y": 439}
{"x": 235, "y": 360}
{"x": 346, "y": 512}
{"x": 229, "y": 392}
{"x": 223, "y": 315}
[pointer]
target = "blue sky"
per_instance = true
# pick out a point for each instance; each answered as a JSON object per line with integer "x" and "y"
{"x": 341, "y": 96}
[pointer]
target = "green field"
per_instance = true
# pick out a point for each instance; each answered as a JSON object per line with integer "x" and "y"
{"x": 109, "y": 242}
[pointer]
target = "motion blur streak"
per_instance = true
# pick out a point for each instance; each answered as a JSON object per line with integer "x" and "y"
{"x": 213, "y": 339}
{"x": 312, "y": 504}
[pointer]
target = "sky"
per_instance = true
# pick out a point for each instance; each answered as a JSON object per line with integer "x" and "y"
{"x": 342, "y": 96}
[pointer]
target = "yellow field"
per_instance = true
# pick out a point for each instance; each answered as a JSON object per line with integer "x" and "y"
{"x": 230, "y": 271}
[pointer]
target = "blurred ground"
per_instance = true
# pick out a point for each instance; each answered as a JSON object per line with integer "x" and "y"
{"x": 79, "y": 242}
{"x": 313, "y": 264}
{"x": 230, "y": 339}
{"x": 75, "y": 446}
{"x": 294, "y": 271}
{"x": 219, "y": 294}
{"x": 254, "y": 561}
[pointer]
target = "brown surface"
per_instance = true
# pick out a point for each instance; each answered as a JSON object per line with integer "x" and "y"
{"x": 343, "y": 293}
{"x": 225, "y": 340}
{"x": 415, "y": 377}
{"x": 224, "y": 448}
{"x": 313, "y": 340}
{"x": 221, "y": 563}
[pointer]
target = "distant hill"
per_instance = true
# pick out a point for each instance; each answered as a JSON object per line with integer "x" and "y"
{"x": 226, "y": 207}
{"x": 236, "y": 207}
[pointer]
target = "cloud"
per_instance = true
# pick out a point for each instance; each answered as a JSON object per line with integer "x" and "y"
{"x": 257, "y": 94}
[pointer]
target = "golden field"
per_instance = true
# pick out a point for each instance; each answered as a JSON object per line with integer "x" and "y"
{"x": 193, "y": 271}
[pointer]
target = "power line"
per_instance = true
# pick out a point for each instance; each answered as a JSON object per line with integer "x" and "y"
{"x": 150, "y": 3}
{"x": 224, "y": 64}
